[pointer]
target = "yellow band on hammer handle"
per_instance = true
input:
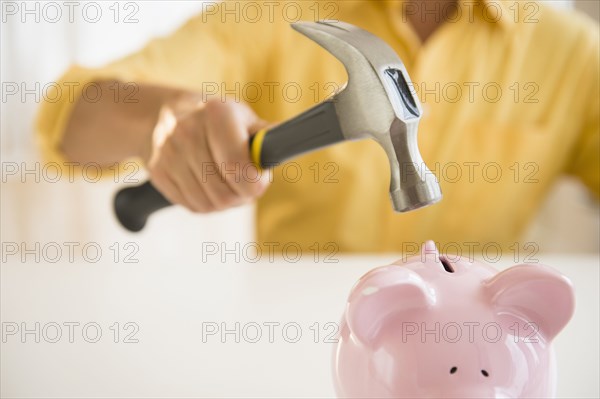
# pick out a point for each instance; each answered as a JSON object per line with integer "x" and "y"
{"x": 256, "y": 143}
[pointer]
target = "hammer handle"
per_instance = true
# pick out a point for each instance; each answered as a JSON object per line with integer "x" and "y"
{"x": 313, "y": 129}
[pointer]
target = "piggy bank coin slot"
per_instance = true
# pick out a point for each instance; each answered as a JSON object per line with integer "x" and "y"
{"x": 447, "y": 266}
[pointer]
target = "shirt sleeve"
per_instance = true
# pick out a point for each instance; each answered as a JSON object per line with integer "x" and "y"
{"x": 585, "y": 163}
{"x": 204, "y": 51}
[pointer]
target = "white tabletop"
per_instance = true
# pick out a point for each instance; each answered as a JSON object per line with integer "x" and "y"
{"x": 170, "y": 301}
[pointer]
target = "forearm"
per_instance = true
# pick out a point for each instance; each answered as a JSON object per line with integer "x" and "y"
{"x": 117, "y": 126}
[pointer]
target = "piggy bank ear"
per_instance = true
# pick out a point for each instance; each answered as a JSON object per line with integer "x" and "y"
{"x": 383, "y": 294}
{"x": 535, "y": 297}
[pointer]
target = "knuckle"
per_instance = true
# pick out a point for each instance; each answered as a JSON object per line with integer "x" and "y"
{"x": 208, "y": 208}
{"x": 255, "y": 189}
{"x": 181, "y": 137}
{"x": 216, "y": 112}
{"x": 191, "y": 126}
{"x": 227, "y": 201}
{"x": 213, "y": 111}
{"x": 232, "y": 200}
{"x": 198, "y": 202}
{"x": 214, "y": 105}
{"x": 197, "y": 206}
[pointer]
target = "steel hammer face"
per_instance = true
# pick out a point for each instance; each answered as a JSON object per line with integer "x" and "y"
{"x": 378, "y": 102}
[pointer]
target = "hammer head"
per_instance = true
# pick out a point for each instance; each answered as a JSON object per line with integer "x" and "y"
{"x": 378, "y": 103}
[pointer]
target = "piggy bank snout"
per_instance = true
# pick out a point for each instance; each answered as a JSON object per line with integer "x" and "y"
{"x": 466, "y": 381}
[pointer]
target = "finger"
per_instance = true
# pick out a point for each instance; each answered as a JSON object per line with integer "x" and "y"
{"x": 256, "y": 125}
{"x": 207, "y": 171}
{"x": 228, "y": 132}
{"x": 194, "y": 196}
{"x": 177, "y": 168}
{"x": 165, "y": 185}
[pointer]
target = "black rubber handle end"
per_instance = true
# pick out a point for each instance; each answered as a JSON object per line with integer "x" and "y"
{"x": 133, "y": 205}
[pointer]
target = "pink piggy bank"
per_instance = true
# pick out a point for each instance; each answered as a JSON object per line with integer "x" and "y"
{"x": 435, "y": 328}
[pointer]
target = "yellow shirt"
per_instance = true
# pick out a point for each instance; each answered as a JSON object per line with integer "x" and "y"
{"x": 509, "y": 91}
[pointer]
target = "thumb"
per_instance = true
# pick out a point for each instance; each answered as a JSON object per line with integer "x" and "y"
{"x": 257, "y": 125}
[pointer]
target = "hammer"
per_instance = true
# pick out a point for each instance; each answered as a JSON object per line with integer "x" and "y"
{"x": 377, "y": 103}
